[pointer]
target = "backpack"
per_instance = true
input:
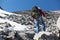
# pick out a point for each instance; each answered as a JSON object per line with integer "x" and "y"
{"x": 36, "y": 15}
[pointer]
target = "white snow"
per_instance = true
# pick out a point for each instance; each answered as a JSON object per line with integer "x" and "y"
{"x": 58, "y": 23}
{"x": 37, "y": 36}
{"x": 17, "y": 27}
{"x": 2, "y": 15}
{"x": 58, "y": 11}
{"x": 2, "y": 20}
{"x": 5, "y": 12}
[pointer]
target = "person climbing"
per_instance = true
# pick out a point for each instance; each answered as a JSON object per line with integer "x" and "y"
{"x": 37, "y": 15}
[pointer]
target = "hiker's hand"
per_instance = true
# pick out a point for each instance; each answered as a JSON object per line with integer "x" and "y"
{"x": 32, "y": 19}
{"x": 45, "y": 19}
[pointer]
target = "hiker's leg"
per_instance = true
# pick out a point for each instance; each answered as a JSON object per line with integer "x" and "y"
{"x": 37, "y": 25}
{"x": 43, "y": 24}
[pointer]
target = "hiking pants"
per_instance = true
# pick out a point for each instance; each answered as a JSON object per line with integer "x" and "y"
{"x": 37, "y": 22}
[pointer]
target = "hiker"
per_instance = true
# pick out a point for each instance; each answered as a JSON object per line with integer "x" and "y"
{"x": 37, "y": 15}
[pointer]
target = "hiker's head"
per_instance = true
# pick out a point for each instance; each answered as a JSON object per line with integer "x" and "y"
{"x": 34, "y": 9}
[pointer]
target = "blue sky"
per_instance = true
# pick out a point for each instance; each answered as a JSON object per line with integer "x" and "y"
{"x": 20, "y": 5}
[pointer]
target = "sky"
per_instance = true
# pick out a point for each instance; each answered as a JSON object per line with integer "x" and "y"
{"x": 20, "y": 5}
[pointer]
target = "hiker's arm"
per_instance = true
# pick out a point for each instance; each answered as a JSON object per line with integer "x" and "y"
{"x": 44, "y": 16}
{"x": 32, "y": 16}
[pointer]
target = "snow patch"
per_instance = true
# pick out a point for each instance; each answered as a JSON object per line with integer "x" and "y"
{"x": 2, "y": 15}
{"x": 37, "y": 36}
{"x": 5, "y": 12}
{"x": 58, "y": 23}
{"x": 16, "y": 26}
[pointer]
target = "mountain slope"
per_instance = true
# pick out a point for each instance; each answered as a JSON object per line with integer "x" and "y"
{"x": 21, "y": 22}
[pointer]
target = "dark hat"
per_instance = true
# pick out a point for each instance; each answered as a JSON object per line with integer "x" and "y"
{"x": 35, "y": 8}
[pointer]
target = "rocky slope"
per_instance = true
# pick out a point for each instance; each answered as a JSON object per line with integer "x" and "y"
{"x": 24, "y": 18}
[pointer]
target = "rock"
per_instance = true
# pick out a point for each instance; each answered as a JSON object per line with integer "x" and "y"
{"x": 24, "y": 18}
{"x": 45, "y": 36}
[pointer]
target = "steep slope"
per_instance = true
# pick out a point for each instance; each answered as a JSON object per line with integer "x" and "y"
{"x": 21, "y": 22}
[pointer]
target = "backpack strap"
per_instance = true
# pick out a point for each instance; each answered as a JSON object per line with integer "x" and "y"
{"x": 41, "y": 12}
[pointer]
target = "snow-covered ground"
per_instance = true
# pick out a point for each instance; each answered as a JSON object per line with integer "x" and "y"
{"x": 2, "y": 15}
{"x": 16, "y": 26}
{"x": 36, "y": 37}
{"x": 22, "y": 22}
{"x": 5, "y": 12}
{"x": 58, "y": 23}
